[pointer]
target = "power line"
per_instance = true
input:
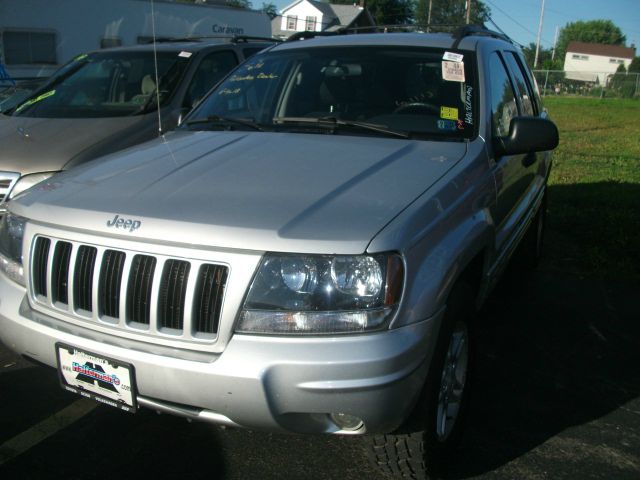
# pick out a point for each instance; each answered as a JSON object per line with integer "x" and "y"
{"x": 515, "y": 21}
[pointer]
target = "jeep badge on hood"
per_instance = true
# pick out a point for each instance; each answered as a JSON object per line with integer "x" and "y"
{"x": 127, "y": 224}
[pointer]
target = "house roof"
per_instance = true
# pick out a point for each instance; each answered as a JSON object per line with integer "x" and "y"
{"x": 346, "y": 13}
{"x": 334, "y": 16}
{"x": 324, "y": 7}
{"x": 617, "y": 51}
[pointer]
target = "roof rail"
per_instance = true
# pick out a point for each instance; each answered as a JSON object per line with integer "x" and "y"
{"x": 480, "y": 29}
{"x": 249, "y": 38}
{"x": 402, "y": 27}
{"x": 309, "y": 34}
{"x": 457, "y": 30}
{"x": 231, "y": 38}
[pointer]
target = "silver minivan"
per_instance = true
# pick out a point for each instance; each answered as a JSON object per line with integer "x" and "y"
{"x": 107, "y": 100}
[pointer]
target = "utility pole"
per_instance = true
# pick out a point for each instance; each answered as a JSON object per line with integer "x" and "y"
{"x": 468, "y": 12}
{"x": 429, "y": 15}
{"x": 555, "y": 42}
{"x": 535, "y": 61}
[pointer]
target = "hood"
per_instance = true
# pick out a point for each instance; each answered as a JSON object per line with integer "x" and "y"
{"x": 290, "y": 192}
{"x": 31, "y": 145}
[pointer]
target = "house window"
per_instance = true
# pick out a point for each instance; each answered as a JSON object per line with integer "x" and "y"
{"x": 292, "y": 22}
{"x": 580, "y": 57}
{"x": 108, "y": 42}
{"x": 29, "y": 48}
{"x": 311, "y": 24}
{"x": 616, "y": 60}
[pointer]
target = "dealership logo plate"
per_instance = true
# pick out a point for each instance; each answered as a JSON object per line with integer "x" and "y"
{"x": 93, "y": 376}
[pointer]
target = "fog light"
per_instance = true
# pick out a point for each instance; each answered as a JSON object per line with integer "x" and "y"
{"x": 346, "y": 422}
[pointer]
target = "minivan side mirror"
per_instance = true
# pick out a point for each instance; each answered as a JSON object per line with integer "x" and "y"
{"x": 527, "y": 135}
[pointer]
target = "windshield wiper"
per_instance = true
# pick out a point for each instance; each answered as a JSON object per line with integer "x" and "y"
{"x": 222, "y": 120}
{"x": 333, "y": 122}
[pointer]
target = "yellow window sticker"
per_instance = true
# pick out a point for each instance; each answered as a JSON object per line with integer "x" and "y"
{"x": 449, "y": 113}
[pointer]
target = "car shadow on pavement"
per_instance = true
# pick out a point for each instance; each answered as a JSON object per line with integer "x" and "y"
{"x": 556, "y": 353}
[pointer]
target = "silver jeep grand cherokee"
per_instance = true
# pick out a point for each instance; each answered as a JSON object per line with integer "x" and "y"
{"x": 305, "y": 253}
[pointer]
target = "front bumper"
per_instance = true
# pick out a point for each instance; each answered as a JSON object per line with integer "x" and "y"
{"x": 262, "y": 382}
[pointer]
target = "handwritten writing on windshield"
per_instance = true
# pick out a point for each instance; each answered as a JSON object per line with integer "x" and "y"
{"x": 249, "y": 77}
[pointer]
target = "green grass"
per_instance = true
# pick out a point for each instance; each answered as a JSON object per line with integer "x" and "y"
{"x": 594, "y": 189}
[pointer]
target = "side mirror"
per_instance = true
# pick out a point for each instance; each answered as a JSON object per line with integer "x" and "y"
{"x": 527, "y": 135}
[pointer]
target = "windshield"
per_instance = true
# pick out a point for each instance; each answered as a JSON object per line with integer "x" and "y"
{"x": 106, "y": 84}
{"x": 395, "y": 90}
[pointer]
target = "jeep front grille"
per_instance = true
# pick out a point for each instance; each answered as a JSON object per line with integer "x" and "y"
{"x": 150, "y": 294}
{"x": 7, "y": 181}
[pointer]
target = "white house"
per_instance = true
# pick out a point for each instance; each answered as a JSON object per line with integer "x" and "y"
{"x": 594, "y": 62}
{"x": 317, "y": 16}
{"x": 37, "y": 36}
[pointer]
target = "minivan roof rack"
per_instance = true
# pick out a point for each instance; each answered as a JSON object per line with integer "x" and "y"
{"x": 231, "y": 38}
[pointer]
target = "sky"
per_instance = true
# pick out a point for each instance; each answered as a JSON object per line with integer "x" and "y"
{"x": 520, "y": 18}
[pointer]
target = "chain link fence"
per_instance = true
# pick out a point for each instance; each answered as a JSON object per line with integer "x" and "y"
{"x": 592, "y": 84}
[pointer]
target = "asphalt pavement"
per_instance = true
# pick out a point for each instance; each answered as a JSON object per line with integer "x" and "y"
{"x": 556, "y": 395}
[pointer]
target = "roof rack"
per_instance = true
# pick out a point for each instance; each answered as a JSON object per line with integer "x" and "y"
{"x": 401, "y": 27}
{"x": 309, "y": 34}
{"x": 457, "y": 30}
{"x": 480, "y": 29}
{"x": 249, "y": 38}
{"x": 231, "y": 38}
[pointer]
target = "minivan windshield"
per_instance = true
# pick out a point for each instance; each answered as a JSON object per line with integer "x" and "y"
{"x": 381, "y": 91}
{"x": 106, "y": 84}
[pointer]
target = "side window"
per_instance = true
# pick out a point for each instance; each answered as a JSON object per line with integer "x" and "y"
{"x": 503, "y": 100}
{"x": 211, "y": 70}
{"x": 525, "y": 94}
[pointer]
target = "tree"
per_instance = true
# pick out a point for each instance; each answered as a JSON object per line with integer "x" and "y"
{"x": 634, "y": 66}
{"x": 451, "y": 12}
{"x": 591, "y": 31}
{"x": 544, "y": 56}
{"x": 387, "y": 12}
{"x": 270, "y": 9}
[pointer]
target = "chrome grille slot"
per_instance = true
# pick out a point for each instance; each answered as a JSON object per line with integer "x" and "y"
{"x": 39, "y": 266}
{"x": 7, "y": 181}
{"x": 173, "y": 286}
{"x": 134, "y": 292}
{"x": 212, "y": 280}
{"x": 110, "y": 280}
{"x": 60, "y": 273}
{"x": 139, "y": 289}
{"x": 83, "y": 278}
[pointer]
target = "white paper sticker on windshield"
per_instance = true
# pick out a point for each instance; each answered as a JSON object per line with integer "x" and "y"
{"x": 185, "y": 54}
{"x": 453, "y": 71}
{"x": 453, "y": 57}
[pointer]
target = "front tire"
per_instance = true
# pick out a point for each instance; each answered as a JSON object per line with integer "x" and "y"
{"x": 421, "y": 447}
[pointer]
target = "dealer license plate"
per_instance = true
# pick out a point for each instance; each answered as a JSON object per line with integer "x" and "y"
{"x": 93, "y": 376}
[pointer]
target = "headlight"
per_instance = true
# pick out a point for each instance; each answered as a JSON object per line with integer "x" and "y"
{"x": 321, "y": 294}
{"x": 28, "y": 181}
{"x": 11, "y": 233}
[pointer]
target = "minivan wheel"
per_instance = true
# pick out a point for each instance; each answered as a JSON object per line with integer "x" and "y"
{"x": 420, "y": 448}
